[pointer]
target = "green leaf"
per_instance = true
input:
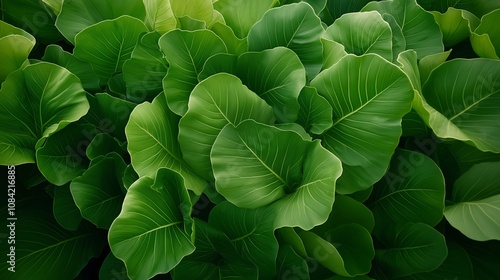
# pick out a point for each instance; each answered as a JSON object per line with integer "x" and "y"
{"x": 153, "y": 231}
{"x": 431, "y": 62}
{"x": 83, "y": 70}
{"x": 107, "y": 54}
{"x": 129, "y": 176}
{"x": 234, "y": 44}
{"x": 420, "y": 30}
{"x": 41, "y": 241}
{"x": 15, "y": 46}
{"x": 103, "y": 144}
{"x": 250, "y": 232}
{"x": 242, "y": 15}
{"x": 456, "y": 25}
{"x": 76, "y": 15}
{"x": 202, "y": 10}
{"x": 214, "y": 258}
{"x": 332, "y": 53}
{"x": 294, "y": 26}
{"x": 36, "y": 102}
{"x": 288, "y": 236}
{"x": 461, "y": 100}
{"x": 485, "y": 38}
{"x": 215, "y": 102}
{"x": 346, "y": 250}
{"x": 98, "y": 191}
{"x": 113, "y": 268}
{"x": 65, "y": 210}
{"x": 362, "y": 33}
{"x": 412, "y": 190}
{"x": 159, "y": 16}
{"x": 410, "y": 248}
{"x": 291, "y": 264}
{"x": 477, "y": 7}
{"x": 186, "y": 58}
{"x": 315, "y": 113}
{"x": 476, "y": 195}
{"x": 55, "y": 5}
{"x": 361, "y": 89}
{"x": 152, "y": 142}
{"x": 188, "y": 23}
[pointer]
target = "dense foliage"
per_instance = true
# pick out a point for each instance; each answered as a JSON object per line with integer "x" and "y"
{"x": 269, "y": 139}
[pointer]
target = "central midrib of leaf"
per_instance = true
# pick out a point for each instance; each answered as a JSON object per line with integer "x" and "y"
{"x": 151, "y": 230}
{"x": 159, "y": 143}
{"x": 244, "y": 236}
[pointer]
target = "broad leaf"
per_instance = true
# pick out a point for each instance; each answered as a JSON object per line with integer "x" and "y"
{"x": 250, "y": 232}
{"x": 186, "y": 58}
{"x": 420, "y": 30}
{"x": 36, "y": 102}
{"x": 409, "y": 248}
{"x": 98, "y": 191}
{"x": 456, "y": 25}
{"x": 234, "y": 44}
{"x": 332, "y": 53}
{"x": 107, "y": 54}
{"x": 159, "y": 16}
{"x": 477, "y": 7}
{"x": 152, "y": 142}
{"x": 362, "y": 33}
{"x": 412, "y": 190}
{"x": 360, "y": 89}
{"x": 215, "y": 102}
{"x": 76, "y": 15}
{"x": 315, "y": 113}
{"x": 461, "y": 100}
{"x": 486, "y": 39}
{"x": 476, "y": 195}
{"x": 15, "y": 46}
{"x": 294, "y": 26}
{"x": 153, "y": 231}
{"x": 65, "y": 210}
{"x": 202, "y": 10}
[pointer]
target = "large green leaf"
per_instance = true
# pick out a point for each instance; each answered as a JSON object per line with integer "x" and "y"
{"x": 153, "y": 231}
{"x": 420, "y": 30}
{"x": 456, "y": 25}
{"x": 98, "y": 191}
{"x": 45, "y": 249}
{"x": 255, "y": 178}
{"x": 412, "y": 190}
{"x": 215, "y": 102}
{"x": 186, "y": 57}
{"x": 83, "y": 70}
{"x": 214, "y": 258}
{"x": 159, "y": 16}
{"x": 409, "y": 248}
{"x": 241, "y": 15}
{"x": 143, "y": 73}
{"x": 152, "y": 142}
{"x": 461, "y": 100}
{"x": 315, "y": 113}
{"x": 15, "y": 46}
{"x": 36, "y": 102}
{"x": 76, "y": 15}
{"x": 346, "y": 250}
{"x": 476, "y": 195}
{"x": 107, "y": 53}
{"x": 361, "y": 89}
{"x": 294, "y": 26}
{"x": 251, "y": 233}
{"x": 362, "y": 33}
{"x": 234, "y": 44}
{"x": 486, "y": 39}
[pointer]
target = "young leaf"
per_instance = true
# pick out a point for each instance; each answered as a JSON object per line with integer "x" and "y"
{"x": 361, "y": 89}
{"x": 159, "y": 16}
{"x": 215, "y": 102}
{"x": 456, "y": 25}
{"x": 154, "y": 230}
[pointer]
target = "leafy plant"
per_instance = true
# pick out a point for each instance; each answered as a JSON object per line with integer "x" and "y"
{"x": 271, "y": 139}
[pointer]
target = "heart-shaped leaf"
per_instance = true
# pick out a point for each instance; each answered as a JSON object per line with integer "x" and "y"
{"x": 15, "y": 46}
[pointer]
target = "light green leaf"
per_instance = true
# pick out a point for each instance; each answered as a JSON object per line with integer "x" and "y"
{"x": 64, "y": 208}
{"x": 409, "y": 248}
{"x": 362, "y": 33}
{"x": 77, "y": 15}
{"x": 485, "y": 38}
{"x": 241, "y": 15}
{"x": 332, "y": 53}
{"x": 107, "y": 53}
{"x": 456, "y": 25}
{"x": 190, "y": 24}
{"x": 153, "y": 231}
{"x": 152, "y": 142}
{"x": 420, "y": 30}
{"x": 36, "y": 102}
{"x": 476, "y": 195}
{"x": 98, "y": 191}
{"x": 251, "y": 233}
{"x": 412, "y": 190}
{"x": 429, "y": 63}
{"x": 186, "y": 57}
{"x": 234, "y": 44}
{"x": 294, "y": 26}
{"x": 159, "y": 16}
{"x": 215, "y": 102}
{"x": 461, "y": 100}
{"x": 196, "y": 9}
{"x": 315, "y": 113}
{"x": 55, "y": 5}
{"x": 15, "y": 46}
{"x": 83, "y": 70}
{"x": 361, "y": 90}
{"x": 346, "y": 250}
{"x": 214, "y": 258}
